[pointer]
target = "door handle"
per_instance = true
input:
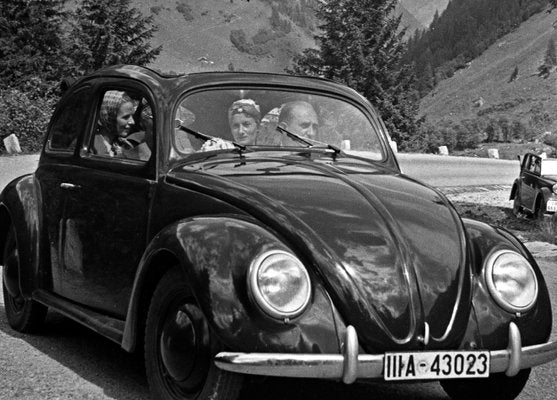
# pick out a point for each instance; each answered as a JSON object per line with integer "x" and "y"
{"x": 65, "y": 185}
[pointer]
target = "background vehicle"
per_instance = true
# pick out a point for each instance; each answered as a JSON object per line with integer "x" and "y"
{"x": 290, "y": 256}
{"x": 535, "y": 190}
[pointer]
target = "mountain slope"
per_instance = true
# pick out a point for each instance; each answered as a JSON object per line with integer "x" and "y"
{"x": 424, "y": 10}
{"x": 408, "y": 20}
{"x": 196, "y": 34}
{"x": 484, "y": 88}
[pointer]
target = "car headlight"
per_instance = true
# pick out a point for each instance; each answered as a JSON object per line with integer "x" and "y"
{"x": 279, "y": 283}
{"x": 554, "y": 188}
{"x": 511, "y": 281}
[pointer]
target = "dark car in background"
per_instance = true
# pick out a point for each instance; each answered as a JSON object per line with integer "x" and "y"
{"x": 534, "y": 192}
{"x": 294, "y": 256}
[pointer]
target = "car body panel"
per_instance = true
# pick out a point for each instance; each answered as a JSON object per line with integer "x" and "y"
{"x": 360, "y": 207}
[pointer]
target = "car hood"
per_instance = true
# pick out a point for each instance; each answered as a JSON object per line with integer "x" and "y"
{"x": 391, "y": 250}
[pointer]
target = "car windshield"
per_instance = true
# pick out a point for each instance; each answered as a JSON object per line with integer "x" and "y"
{"x": 263, "y": 119}
{"x": 549, "y": 167}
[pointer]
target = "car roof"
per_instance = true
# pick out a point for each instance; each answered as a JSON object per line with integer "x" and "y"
{"x": 183, "y": 81}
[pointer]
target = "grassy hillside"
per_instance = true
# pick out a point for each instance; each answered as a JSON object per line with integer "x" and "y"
{"x": 483, "y": 88}
{"x": 195, "y": 35}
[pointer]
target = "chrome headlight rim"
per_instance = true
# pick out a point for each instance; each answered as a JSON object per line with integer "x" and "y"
{"x": 259, "y": 298}
{"x": 554, "y": 188}
{"x": 492, "y": 288}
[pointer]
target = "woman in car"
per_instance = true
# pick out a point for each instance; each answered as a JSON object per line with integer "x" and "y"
{"x": 114, "y": 125}
{"x": 244, "y": 118}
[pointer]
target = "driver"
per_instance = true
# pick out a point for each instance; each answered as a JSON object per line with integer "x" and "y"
{"x": 299, "y": 117}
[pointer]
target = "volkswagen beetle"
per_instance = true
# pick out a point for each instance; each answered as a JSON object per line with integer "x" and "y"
{"x": 233, "y": 224}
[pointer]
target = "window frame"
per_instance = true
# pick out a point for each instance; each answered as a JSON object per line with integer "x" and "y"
{"x": 371, "y": 116}
{"x": 119, "y": 164}
{"x": 82, "y": 126}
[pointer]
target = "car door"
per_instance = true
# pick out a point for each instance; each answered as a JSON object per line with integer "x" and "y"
{"x": 530, "y": 180}
{"x": 101, "y": 222}
{"x": 67, "y": 126}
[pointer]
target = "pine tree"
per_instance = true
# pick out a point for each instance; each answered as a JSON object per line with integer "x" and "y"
{"x": 362, "y": 46}
{"x": 109, "y": 32}
{"x": 31, "y": 41}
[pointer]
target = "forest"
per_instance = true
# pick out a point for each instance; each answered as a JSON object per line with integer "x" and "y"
{"x": 461, "y": 33}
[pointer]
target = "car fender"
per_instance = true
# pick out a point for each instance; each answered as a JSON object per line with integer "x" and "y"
{"x": 215, "y": 254}
{"x": 492, "y": 320}
{"x": 545, "y": 193}
{"x": 21, "y": 204}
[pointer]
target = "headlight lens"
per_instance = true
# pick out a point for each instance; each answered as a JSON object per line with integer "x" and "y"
{"x": 554, "y": 188}
{"x": 279, "y": 284}
{"x": 511, "y": 281}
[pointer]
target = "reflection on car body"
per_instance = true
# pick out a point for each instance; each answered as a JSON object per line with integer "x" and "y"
{"x": 313, "y": 258}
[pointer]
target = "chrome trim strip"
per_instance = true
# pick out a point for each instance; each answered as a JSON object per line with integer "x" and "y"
{"x": 351, "y": 365}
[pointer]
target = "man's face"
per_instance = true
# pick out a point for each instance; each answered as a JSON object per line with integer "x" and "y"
{"x": 304, "y": 122}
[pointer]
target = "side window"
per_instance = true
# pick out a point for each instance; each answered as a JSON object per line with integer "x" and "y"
{"x": 124, "y": 126}
{"x": 535, "y": 165}
{"x": 68, "y": 123}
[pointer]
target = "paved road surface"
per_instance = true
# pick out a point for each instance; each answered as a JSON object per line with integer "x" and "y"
{"x": 440, "y": 171}
{"x": 446, "y": 171}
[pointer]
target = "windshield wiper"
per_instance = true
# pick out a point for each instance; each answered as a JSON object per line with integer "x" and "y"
{"x": 294, "y": 136}
{"x": 205, "y": 137}
{"x": 307, "y": 141}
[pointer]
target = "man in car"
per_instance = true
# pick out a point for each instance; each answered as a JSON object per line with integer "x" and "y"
{"x": 299, "y": 117}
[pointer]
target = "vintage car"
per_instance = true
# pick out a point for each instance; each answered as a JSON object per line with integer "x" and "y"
{"x": 534, "y": 192}
{"x": 302, "y": 252}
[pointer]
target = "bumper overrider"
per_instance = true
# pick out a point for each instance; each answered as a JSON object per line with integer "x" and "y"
{"x": 351, "y": 366}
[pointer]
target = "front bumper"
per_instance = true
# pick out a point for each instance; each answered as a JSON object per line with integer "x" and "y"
{"x": 350, "y": 366}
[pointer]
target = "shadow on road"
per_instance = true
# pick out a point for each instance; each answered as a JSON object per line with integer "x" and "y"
{"x": 121, "y": 376}
{"x": 95, "y": 359}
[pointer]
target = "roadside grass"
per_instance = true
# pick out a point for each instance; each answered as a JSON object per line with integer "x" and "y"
{"x": 525, "y": 228}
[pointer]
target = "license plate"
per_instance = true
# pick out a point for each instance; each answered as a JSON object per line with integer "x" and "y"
{"x": 436, "y": 365}
{"x": 551, "y": 206}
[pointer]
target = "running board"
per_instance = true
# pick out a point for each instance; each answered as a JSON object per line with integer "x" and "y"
{"x": 111, "y": 328}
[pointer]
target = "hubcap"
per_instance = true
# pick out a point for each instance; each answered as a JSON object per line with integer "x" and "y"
{"x": 184, "y": 346}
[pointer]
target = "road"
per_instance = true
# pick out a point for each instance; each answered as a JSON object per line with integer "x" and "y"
{"x": 440, "y": 171}
{"x": 67, "y": 361}
{"x": 446, "y": 171}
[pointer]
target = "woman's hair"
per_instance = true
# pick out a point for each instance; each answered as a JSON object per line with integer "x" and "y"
{"x": 247, "y": 107}
{"x": 112, "y": 101}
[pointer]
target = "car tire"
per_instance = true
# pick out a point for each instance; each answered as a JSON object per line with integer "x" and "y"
{"x": 179, "y": 347}
{"x": 24, "y": 315}
{"x": 517, "y": 208}
{"x": 539, "y": 212}
{"x": 496, "y": 387}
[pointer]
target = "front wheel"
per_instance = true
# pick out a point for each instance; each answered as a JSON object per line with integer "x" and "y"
{"x": 179, "y": 347}
{"x": 496, "y": 387}
{"x": 24, "y": 315}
